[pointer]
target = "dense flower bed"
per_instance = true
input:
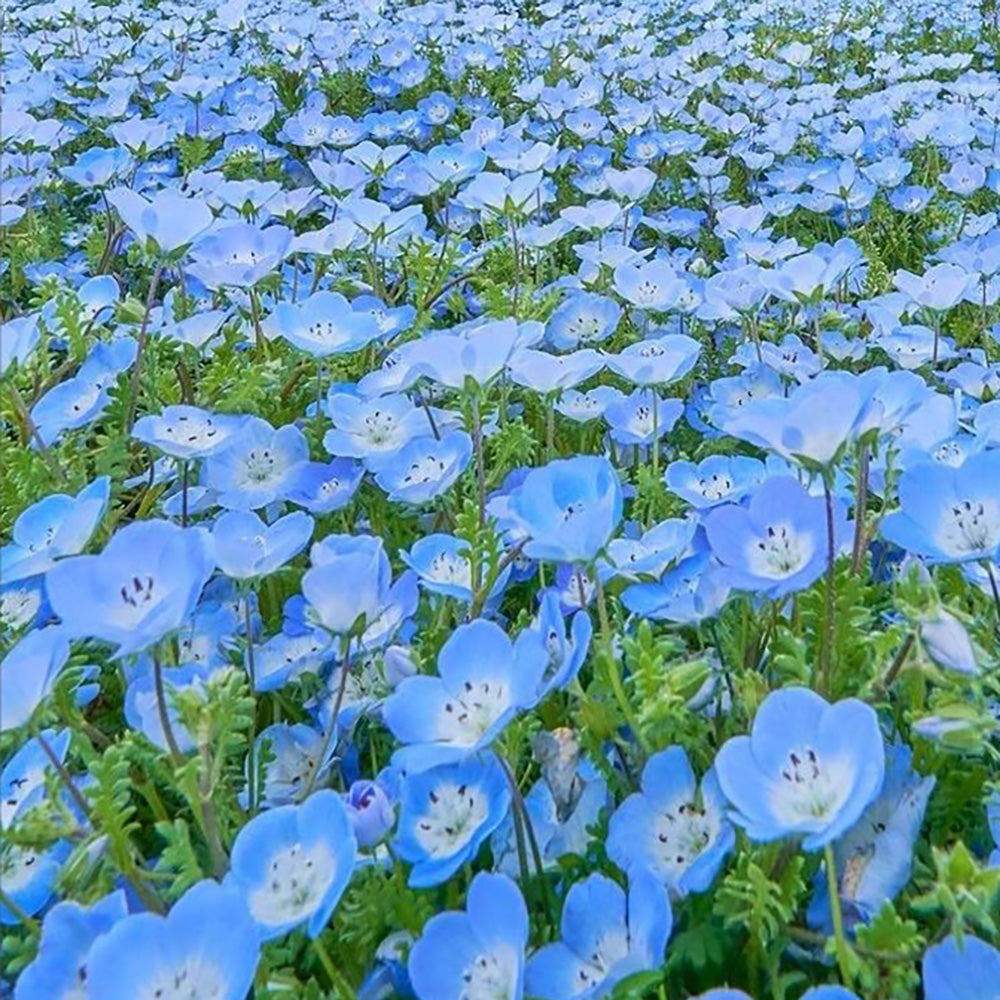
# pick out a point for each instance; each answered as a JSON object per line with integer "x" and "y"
{"x": 500, "y": 501}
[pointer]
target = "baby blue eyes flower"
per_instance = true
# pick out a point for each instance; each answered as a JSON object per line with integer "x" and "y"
{"x": 59, "y": 970}
{"x": 948, "y": 514}
{"x": 323, "y": 487}
{"x": 291, "y": 864}
{"x": 808, "y": 768}
{"x": 583, "y": 318}
{"x": 606, "y": 936}
{"x": 139, "y": 589}
{"x": 969, "y": 970}
{"x": 29, "y": 877}
{"x": 187, "y": 432}
{"x": 350, "y": 578}
{"x": 874, "y": 857}
{"x": 446, "y": 815}
{"x": 28, "y": 671}
{"x": 478, "y": 954}
{"x": 368, "y": 428}
{"x": 671, "y": 829}
{"x": 715, "y": 480}
{"x": 206, "y": 947}
{"x": 371, "y": 810}
{"x": 256, "y": 466}
{"x": 238, "y": 255}
{"x": 642, "y": 418}
{"x": 483, "y": 681}
{"x": 56, "y": 526}
{"x": 423, "y": 468}
{"x": 246, "y": 547}
{"x": 656, "y": 362}
{"x": 778, "y": 543}
{"x": 568, "y": 509}
{"x": 322, "y": 325}
{"x": 165, "y": 223}
{"x": 443, "y": 565}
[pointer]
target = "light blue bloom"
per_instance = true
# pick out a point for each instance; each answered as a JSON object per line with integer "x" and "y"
{"x": 567, "y": 510}
{"x": 142, "y": 586}
{"x": 350, "y": 578}
{"x": 875, "y": 855}
{"x": 714, "y": 480}
{"x": 28, "y": 672}
{"x": 969, "y": 970}
{"x": 948, "y": 514}
{"x": 606, "y": 936}
{"x": 673, "y": 830}
{"x": 187, "y": 432}
{"x": 206, "y": 946}
{"x": 777, "y": 543}
{"x": 291, "y": 864}
{"x": 476, "y": 953}
{"x": 446, "y": 814}
{"x": 256, "y": 466}
{"x": 443, "y": 565}
{"x": 370, "y": 428}
{"x": 322, "y": 325}
{"x": 60, "y": 968}
{"x": 323, "y": 487}
{"x": 808, "y": 768}
{"x": 164, "y": 224}
{"x": 29, "y": 877}
{"x": 656, "y": 361}
{"x": 56, "y": 526}
{"x": 246, "y": 548}
{"x": 483, "y": 681}
{"x": 423, "y": 468}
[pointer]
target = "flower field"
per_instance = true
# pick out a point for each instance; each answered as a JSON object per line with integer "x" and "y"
{"x": 501, "y": 501}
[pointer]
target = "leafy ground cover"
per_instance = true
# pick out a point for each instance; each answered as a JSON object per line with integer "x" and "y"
{"x": 500, "y": 501}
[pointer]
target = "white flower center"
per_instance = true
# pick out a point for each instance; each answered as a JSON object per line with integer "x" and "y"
{"x": 295, "y": 882}
{"x": 454, "y": 813}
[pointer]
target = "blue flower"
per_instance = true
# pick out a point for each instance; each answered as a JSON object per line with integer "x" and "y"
{"x": 694, "y": 589}
{"x": 322, "y": 325}
{"x": 606, "y": 936}
{"x": 22, "y": 781}
{"x": 187, "y": 432}
{"x": 583, "y": 318}
{"x": 28, "y": 671}
{"x": 164, "y": 224}
{"x": 423, "y": 468}
{"x": 256, "y": 467}
{"x": 476, "y": 953}
{"x": 483, "y": 681}
{"x": 323, "y": 487}
{"x": 567, "y": 509}
{"x": 777, "y": 543}
{"x": 139, "y": 589}
{"x": 875, "y": 855}
{"x": 238, "y": 255}
{"x": 969, "y": 970}
{"x": 807, "y": 768}
{"x": 656, "y": 362}
{"x": 293, "y": 752}
{"x": 369, "y": 428}
{"x": 350, "y": 578}
{"x": 291, "y": 864}
{"x": 948, "y": 514}
{"x": 60, "y": 968}
{"x": 446, "y": 814}
{"x": 29, "y": 877}
{"x": 714, "y": 480}
{"x": 562, "y": 653}
{"x": 444, "y": 567}
{"x": 206, "y": 946}
{"x": 246, "y": 547}
{"x": 670, "y": 829}
{"x": 142, "y": 704}
{"x": 642, "y": 418}
{"x": 371, "y": 809}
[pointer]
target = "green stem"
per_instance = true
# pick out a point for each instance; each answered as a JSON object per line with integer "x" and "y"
{"x": 614, "y": 667}
{"x": 835, "y": 913}
{"x": 826, "y": 636}
{"x": 337, "y": 979}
